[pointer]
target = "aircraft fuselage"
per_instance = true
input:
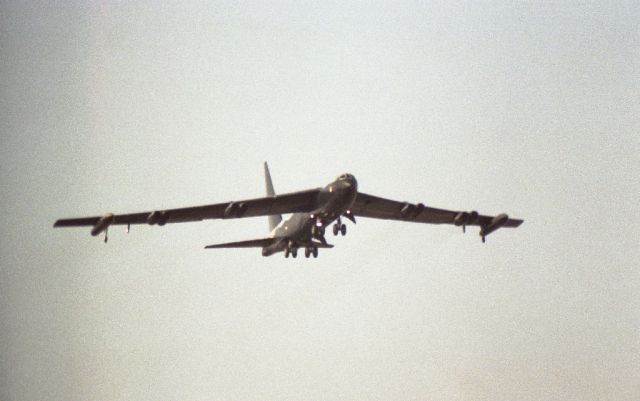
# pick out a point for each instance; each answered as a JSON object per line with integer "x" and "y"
{"x": 301, "y": 229}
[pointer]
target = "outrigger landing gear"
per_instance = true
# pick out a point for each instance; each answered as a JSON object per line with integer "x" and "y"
{"x": 291, "y": 249}
{"x": 106, "y": 235}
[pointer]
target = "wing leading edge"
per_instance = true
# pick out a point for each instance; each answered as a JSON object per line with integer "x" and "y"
{"x": 303, "y": 201}
{"x": 380, "y": 208}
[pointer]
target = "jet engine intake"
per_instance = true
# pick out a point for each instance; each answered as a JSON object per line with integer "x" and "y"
{"x": 235, "y": 210}
{"x": 157, "y": 217}
{"x": 465, "y": 218}
{"x": 102, "y": 224}
{"x": 495, "y": 223}
{"x": 410, "y": 211}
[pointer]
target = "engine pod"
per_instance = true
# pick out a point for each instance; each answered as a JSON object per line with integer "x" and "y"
{"x": 157, "y": 217}
{"x": 495, "y": 223}
{"x": 410, "y": 211}
{"x": 461, "y": 218}
{"x": 235, "y": 210}
{"x": 102, "y": 224}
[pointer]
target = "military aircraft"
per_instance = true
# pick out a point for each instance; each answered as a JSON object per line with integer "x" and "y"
{"x": 311, "y": 211}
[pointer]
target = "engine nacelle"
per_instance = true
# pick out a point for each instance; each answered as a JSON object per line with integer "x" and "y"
{"x": 460, "y": 218}
{"x": 102, "y": 224}
{"x": 157, "y": 217}
{"x": 473, "y": 216}
{"x": 235, "y": 210}
{"x": 495, "y": 223}
{"x": 410, "y": 211}
{"x": 465, "y": 218}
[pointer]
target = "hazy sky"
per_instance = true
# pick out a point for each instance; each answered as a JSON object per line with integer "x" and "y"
{"x": 528, "y": 109}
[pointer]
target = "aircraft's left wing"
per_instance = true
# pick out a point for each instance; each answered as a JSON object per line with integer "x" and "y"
{"x": 380, "y": 208}
{"x": 303, "y": 201}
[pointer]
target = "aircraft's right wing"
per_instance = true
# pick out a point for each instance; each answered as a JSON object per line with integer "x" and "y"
{"x": 380, "y": 208}
{"x": 303, "y": 201}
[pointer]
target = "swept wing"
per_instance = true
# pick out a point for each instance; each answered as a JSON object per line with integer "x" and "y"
{"x": 380, "y": 208}
{"x": 303, "y": 201}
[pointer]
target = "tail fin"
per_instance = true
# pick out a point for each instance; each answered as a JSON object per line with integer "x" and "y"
{"x": 275, "y": 219}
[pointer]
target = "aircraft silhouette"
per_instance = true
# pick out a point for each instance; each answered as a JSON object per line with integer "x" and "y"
{"x": 311, "y": 211}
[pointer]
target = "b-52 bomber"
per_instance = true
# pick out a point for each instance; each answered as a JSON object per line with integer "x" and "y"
{"x": 311, "y": 212}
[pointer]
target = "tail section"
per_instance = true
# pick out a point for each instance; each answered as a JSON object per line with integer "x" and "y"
{"x": 274, "y": 220}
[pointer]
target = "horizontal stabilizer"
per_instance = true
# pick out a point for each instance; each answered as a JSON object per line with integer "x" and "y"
{"x": 252, "y": 243}
{"x": 321, "y": 245}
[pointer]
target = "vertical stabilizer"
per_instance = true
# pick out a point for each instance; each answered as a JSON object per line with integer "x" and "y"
{"x": 275, "y": 219}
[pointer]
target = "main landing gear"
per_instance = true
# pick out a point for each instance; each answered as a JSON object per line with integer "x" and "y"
{"x": 339, "y": 227}
{"x": 291, "y": 251}
{"x": 308, "y": 251}
{"x": 311, "y": 250}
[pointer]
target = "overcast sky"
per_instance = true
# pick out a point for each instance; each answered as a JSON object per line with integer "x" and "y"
{"x": 532, "y": 110}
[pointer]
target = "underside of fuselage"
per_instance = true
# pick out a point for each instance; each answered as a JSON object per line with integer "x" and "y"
{"x": 307, "y": 230}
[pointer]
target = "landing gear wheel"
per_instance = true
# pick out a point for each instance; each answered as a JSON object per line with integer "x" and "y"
{"x": 315, "y": 252}
{"x": 336, "y": 229}
{"x": 307, "y": 252}
{"x": 286, "y": 252}
{"x": 483, "y": 239}
{"x": 343, "y": 230}
{"x": 294, "y": 252}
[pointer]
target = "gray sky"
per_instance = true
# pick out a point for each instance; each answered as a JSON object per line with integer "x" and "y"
{"x": 525, "y": 109}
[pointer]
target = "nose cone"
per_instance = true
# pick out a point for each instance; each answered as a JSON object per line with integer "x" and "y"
{"x": 353, "y": 182}
{"x": 349, "y": 181}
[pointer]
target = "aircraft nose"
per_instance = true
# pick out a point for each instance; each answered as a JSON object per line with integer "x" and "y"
{"x": 351, "y": 182}
{"x": 348, "y": 181}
